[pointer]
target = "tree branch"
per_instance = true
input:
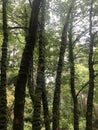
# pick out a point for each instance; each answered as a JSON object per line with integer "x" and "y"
{"x": 79, "y": 36}
{"x": 30, "y": 3}
{"x": 16, "y": 27}
{"x": 84, "y": 85}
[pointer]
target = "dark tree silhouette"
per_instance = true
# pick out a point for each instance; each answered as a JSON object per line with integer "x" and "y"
{"x": 56, "y": 100}
{"x": 3, "y": 100}
{"x": 72, "y": 78}
{"x": 40, "y": 92}
{"x": 24, "y": 67}
{"x": 91, "y": 74}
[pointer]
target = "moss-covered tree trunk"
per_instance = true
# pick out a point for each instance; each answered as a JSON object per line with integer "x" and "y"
{"x": 31, "y": 82}
{"x": 45, "y": 109}
{"x": 3, "y": 98}
{"x": 91, "y": 75}
{"x": 24, "y": 67}
{"x": 56, "y": 100}
{"x": 40, "y": 92}
{"x": 72, "y": 79}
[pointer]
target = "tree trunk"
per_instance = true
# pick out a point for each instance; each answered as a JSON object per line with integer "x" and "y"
{"x": 56, "y": 100}
{"x": 3, "y": 98}
{"x": 40, "y": 92}
{"x": 42, "y": 44}
{"x": 24, "y": 68}
{"x": 46, "y": 110}
{"x": 31, "y": 82}
{"x": 91, "y": 76}
{"x": 72, "y": 79}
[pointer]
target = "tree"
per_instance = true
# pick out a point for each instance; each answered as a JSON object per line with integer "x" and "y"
{"x": 72, "y": 77}
{"x": 40, "y": 91}
{"x": 56, "y": 99}
{"x": 91, "y": 74}
{"x": 42, "y": 45}
{"x": 24, "y": 67}
{"x": 3, "y": 80}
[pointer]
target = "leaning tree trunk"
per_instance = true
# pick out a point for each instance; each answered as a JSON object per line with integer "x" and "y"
{"x": 30, "y": 82}
{"x": 40, "y": 92}
{"x": 72, "y": 80}
{"x": 24, "y": 67}
{"x": 56, "y": 100}
{"x": 42, "y": 44}
{"x": 91, "y": 76}
{"x": 3, "y": 100}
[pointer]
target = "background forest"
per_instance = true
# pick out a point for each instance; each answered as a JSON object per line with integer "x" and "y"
{"x": 49, "y": 65}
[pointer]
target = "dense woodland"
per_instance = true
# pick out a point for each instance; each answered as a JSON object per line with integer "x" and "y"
{"x": 49, "y": 64}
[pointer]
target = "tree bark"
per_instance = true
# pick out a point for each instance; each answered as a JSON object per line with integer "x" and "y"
{"x": 56, "y": 100}
{"x": 3, "y": 98}
{"x": 40, "y": 92}
{"x": 24, "y": 68}
{"x": 30, "y": 84}
{"x": 42, "y": 44}
{"x": 72, "y": 79}
{"x": 91, "y": 76}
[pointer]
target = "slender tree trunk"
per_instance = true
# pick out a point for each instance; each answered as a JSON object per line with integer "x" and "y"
{"x": 56, "y": 100}
{"x": 91, "y": 76}
{"x": 46, "y": 110}
{"x": 31, "y": 82}
{"x": 40, "y": 92}
{"x": 72, "y": 80}
{"x": 3, "y": 100}
{"x": 42, "y": 44}
{"x": 24, "y": 68}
